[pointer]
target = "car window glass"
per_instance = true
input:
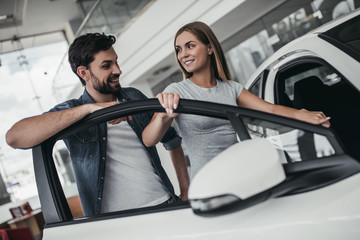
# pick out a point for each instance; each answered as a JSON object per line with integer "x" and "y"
{"x": 315, "y": 86}
{"x": 255, "y": 88}
{"x": 323, "y": 73}
{"x": 202, "y": 140}
{"x": 298, "y": 145}
{"x": 67, "y": 179}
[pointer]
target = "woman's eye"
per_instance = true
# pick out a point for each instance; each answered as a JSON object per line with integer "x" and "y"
{"x": 190, "y": 46}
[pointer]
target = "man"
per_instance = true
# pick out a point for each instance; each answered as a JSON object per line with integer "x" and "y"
{"x": 113, "y": 168}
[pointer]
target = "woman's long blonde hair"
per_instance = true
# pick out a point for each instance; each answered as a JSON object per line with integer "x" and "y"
{"x": 205, "y": 35}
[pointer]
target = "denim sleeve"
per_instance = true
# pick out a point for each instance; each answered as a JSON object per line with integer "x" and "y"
{"x": 60, "y": 107}
{"x": 171, "y": 139}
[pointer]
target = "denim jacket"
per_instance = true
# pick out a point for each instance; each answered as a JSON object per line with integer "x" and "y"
{"x": 88, "y": 151}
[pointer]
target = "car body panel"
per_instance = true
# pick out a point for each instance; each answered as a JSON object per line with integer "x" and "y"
{"x": 335, "y": 214}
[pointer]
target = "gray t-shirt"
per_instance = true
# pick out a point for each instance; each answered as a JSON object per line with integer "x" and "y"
{"x": 205, "y": 137}
{"x": 130, "y": 178}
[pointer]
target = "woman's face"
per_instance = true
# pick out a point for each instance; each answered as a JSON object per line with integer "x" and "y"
{"x": 193, "y": 55}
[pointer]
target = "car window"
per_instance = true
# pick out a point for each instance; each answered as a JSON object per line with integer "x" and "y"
{"x": 297, "y": 145}
{"x": 315, "y": 86}
{"x": 256, "y": 87}
{"x": 207, "y": 137}
{"x": 67, "y": 179}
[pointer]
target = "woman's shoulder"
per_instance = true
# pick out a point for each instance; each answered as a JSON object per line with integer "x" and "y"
{"x": 229, "y": 82}
{"x": 176, "y": 86}
{"x": 231, "y": 86}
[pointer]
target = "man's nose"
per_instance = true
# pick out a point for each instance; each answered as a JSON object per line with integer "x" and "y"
{"x": 117, "y": 70}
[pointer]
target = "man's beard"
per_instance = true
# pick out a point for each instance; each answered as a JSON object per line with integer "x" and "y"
{"x": 105, "y": 87}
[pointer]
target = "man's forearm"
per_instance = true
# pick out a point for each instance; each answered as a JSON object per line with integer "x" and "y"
{"x": 31, "y": 131}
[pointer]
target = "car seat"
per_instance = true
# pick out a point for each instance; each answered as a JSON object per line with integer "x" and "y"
{"x": 312, "y": 94}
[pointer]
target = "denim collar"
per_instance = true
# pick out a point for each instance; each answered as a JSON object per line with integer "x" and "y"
{"x": 122, "y": 97}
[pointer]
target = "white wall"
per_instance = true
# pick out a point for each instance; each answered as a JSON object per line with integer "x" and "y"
{"x": 148, "y": 40}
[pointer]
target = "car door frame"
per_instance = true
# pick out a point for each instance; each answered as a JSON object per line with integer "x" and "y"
{"x": 56, "y": 210}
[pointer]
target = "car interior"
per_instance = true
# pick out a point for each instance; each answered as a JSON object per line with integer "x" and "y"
{"x": 318, "y": 88}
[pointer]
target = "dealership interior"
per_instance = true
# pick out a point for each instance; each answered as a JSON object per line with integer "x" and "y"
{"x": 249, "y": 32}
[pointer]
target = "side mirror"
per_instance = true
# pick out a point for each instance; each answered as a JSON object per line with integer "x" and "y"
{"x": 237, "y": 178}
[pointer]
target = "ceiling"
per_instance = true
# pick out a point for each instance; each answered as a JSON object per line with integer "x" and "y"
{"x": 29, "y": 23}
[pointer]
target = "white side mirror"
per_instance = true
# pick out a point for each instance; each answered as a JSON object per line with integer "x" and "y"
{"x": 242, "y": 171}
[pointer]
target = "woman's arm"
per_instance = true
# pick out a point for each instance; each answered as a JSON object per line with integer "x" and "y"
{"x": 249, "y": 100}
{"x": 178, "y": 159}
{"x": 160, "y": 122}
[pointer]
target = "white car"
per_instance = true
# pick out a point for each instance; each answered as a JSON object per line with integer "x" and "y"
{"x": 285, "y": 179}
{"x": 319, "y": 71}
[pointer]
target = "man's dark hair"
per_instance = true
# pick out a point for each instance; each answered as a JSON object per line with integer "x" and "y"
{"x": 82, "y": 50}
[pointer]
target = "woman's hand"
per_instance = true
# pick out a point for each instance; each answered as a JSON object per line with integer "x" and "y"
{"x": 169, "y": 101}
{"x": 313, "y": 117}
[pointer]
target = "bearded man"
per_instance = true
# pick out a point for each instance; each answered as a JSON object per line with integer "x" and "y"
{"x": 114, "y": 170}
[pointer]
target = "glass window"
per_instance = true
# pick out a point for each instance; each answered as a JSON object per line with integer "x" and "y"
{"x": 248, "y": 48}
{"x": 315, "y": 86}
{"x": 207, "y": 137}
{"x": 323, "y": 74}
{"x": 298, "y": 145}
{"x": 111, "y": 16}
{"x": 26, "y": 91}
{"x": 248, "y": 55}
{"x": 256, "y": 87}
{"x": 66, "y": 176}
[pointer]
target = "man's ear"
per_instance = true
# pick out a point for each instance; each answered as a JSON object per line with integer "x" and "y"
{"x": 83, "y": 72}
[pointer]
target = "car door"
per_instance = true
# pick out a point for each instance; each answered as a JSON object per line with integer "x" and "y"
{"x": 318, "y": 197}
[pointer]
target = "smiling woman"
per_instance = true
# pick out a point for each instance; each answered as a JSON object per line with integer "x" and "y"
{"x": 25, "y": 89}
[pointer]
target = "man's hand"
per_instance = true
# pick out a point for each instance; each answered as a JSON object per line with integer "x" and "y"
{"x": 97, "y": 106}
{"x": 93, "y": 107}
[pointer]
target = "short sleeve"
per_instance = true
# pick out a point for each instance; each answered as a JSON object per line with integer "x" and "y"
{"x": 238, "y": 88}
{"x": 60, "y": 107}
{"x": 171, "y": 89}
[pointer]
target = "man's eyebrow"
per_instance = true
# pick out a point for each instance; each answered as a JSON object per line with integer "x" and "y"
{"x": 106, "y": 61}
{"x": 109, "y": 61}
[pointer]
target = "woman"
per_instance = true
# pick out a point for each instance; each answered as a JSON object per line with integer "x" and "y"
{"x": 207, "y": 78}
